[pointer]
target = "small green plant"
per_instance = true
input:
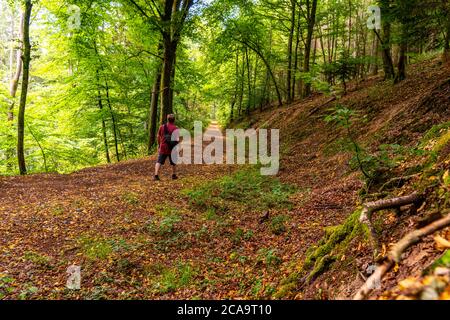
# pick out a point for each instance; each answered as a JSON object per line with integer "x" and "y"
{"x": 130, "y": 198}
{"x": 95, "y": 248}
{"x": 342, "y": 116}
{"x": 256, "y": 288}
{"x": 37, "y": 258}
{"x": 211, "y": 214}
{"x": 278, "y": 224}
{"x": 343, "y": 69}
{"x": 237, "y": 236}
{"x": 171, "y": 279}
{"x": 6, "y": 286}
{"x": 58, "y": 210}
{"x": 166, "y": 224}
{"x": 28, "y": 292}
{"x": 443, "y": 261}
{"x": 246, "y": 189}
{"x": 269, "y": 257}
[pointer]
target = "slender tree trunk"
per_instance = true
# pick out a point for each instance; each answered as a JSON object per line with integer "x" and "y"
{"x": 401, "y": 74}
{"x": 375, "y": 48}
{"x": 26, "y": 57}
{"x": 297, "y": 44}
{"x": 446, "y": 54}
{"x": 14, "y": 81}
{"x": 113, "y": 120}
{"x": 289, "y": 53}
{"x": 255, "y": 77}
{"x": 100, "y": 106}
{"x": 236, "y": 87}
{"x": 311, "y": 23}
{"x": 166, "y": 82}
{"x": 153, "y": 116}
{"x": 249, "y": 83}
{"x": 388, "y": 64}
{"x": 241, "y": 93}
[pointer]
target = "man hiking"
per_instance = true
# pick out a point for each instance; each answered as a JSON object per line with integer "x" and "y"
{"x": 168, "y": 137}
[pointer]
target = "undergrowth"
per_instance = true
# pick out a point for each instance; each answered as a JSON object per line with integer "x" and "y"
{"x": 246, "y": 189}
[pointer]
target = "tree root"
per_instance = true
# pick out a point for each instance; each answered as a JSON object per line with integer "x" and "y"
{"x": 371, "y": 207}
{"x": 395, "y": 254}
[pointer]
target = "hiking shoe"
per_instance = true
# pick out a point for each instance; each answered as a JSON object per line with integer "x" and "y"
{"x": 156, "y": 178}
{"x": 174, "y": 177}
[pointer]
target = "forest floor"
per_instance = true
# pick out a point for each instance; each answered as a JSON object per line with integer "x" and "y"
{"x": 207, "y": 236}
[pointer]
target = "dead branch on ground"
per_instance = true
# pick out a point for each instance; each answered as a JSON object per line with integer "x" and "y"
{"x": 395, "y": 255}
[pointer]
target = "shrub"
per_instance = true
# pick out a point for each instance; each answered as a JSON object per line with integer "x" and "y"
{"x": 246, "y": 189}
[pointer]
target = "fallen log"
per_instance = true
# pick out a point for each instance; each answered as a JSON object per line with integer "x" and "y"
{"x": 370, "y": 208}
{"x": 395, "y": 255}
{"x": 314, "y": 110}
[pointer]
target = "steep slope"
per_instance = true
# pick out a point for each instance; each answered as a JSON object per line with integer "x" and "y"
{"x": 398, "y": 126}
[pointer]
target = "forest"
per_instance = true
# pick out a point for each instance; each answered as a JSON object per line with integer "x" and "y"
{"x": 359, "y": 89}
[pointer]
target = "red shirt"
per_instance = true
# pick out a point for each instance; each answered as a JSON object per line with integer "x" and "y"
{"x": 164, "y": 148}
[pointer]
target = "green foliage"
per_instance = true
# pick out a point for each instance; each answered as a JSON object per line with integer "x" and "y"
{"x": 342, "y": 117}
{"x": 37, "y": 258}
{"x": 165, "y": 223}
{"x": 343, "y": 69}
{"x": 269, "y": 257}
{"x": 28, "y": 292}
{"x": 278, "y": 224}
{"x": 171, "y": 279}
{"x": 442, "y": 261}
{"x": 6, "y": 286}
{"x": 130, "y": 198}
{"x": 94, "y": 248}
{"x": 246, "y": 189}
{"x": 240, "y": 235}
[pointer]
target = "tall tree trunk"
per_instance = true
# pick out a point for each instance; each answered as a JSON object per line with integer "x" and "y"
{"x": 14, "y": 83}
{"x": 289, "y": 53}
{"x": 26, "y": 58}
{"x": 401, "y": 73}
{"x": 297, "y": 45}
{"x": 166, "y": 82}
{"x": 446, "y": 54}
{"x": 241, "y": 93}
{"x": 375, "y": 47}
{"x": 236, "y": 86}
{"x": 255, "y": 77}
{"x": 388, "y": 64}
{"x": 311, "y": 13}
{"x": 113, "y": 119}
{"x": 100, "y": 106}
{"x": 14, "y": 80}
{"x": 153, "y": 117}
{"x": 249, "y": 83}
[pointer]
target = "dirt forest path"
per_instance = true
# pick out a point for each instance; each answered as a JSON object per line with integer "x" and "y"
{"x": 99, "y": 218}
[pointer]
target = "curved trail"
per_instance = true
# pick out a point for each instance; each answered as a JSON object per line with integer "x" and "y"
{"x": 50, "y": 222}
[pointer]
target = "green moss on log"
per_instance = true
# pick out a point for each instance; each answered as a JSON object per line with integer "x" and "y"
{"x": 320, "y": 257}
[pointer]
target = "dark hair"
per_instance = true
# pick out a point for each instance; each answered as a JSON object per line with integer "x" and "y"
{"x": 171, "y": 118}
